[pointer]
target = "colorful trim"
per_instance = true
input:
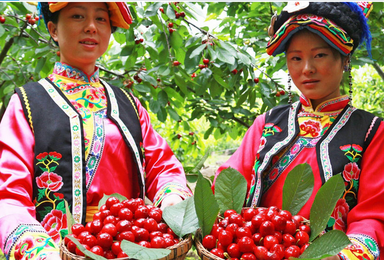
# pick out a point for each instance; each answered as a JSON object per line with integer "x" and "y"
{"x": 26, "y": 241}
{"x": 26, "y": 102}
{"x": 324, "y": 153}
{"x": 274, "y": 150}
{"x": 363, "y": 247}
{"x": 97, "y": 146}
{"x": 76, "y": 144}
{"x": 169, "y": 189}
{"x": 132, "y": 102}
{"x": 127, "y": 133}
{"x": 370, "y": 127}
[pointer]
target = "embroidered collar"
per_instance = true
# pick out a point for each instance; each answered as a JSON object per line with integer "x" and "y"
{"x": 66, "y": 70}
{"x": 331, "y": 105}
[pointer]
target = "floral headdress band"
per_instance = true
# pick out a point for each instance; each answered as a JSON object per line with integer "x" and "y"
{"x": 330, "y": 32}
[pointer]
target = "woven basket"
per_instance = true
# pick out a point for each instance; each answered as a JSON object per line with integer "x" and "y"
{"x": 201, "y": 250}
{"x": 178, "y": 251}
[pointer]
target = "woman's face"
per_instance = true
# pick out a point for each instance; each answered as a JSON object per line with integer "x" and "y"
{"x": 82, "y": 31}
{"x": 315, "y": 68}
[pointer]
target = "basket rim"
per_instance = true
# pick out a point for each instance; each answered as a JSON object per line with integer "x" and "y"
{"x": 184, "y": 242}
{"x": 201, "y": 250}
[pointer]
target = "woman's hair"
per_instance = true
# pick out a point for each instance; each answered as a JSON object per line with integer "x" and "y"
{"x": 342, "y": 14}
{"x": 54, "y": 17}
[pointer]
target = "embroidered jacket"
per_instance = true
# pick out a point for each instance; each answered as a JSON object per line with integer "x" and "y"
{"x": 100, "y": 150}
{"x": 334, "y": 139}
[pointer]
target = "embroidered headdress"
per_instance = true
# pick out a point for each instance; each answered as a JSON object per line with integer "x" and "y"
{"x": 120, "y": 15}
{"x": 341, "y": 25}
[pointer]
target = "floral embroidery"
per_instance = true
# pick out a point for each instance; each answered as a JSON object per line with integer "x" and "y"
{"x": 311, "y": 127}
{"x": 31, "y": 247}
{"x": 352, "y": 151}
{"x": 271, "y": 129}
{"x": 339, "y": 215}
{"x": 49, "y": 202}
{"x": 56, "y": 225}
{"x": 351, "y": 172}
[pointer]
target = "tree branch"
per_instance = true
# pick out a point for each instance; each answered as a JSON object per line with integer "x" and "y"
{"x": 379, "y": 70}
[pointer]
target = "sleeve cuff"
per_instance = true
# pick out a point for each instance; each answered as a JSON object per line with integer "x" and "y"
{"x": 363, "y": 247}
{"x": 171, "y": 188}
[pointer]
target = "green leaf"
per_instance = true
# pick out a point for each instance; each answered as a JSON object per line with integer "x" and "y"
{"x": 182, "y": 218}
{"x": 173, "y": 114}
{"x": 220, "y": 80}
{"x": 142, "y": 88}
{"x": 197, "y": 51}
{"x": 225, "y": 56}
{"x": 85, "y": 251}
{"x": 135, "y": 251}
{"x": 40, "y": 64}
{"x": 40, "y": 194}
{"x": 324, "y": 203}
{"x": 170, "y": 12}
{"x": 105, "y": 197}
{"x": 147, "y": 78}
{"x": 154, "y": 106}
{"x": 70, "y": 220}
{"x": 176, "y": 40}
{"x": 205, "y": 204}
{"x": 2, "y": 30}
{"x": 298, "y": 188}
{"x": 329, "y": 244}
{"x": 61, "y": 206}
{"x": 230, "y": 190}
{"x": 243, "y": 58}
{"x": 152, "y": 9}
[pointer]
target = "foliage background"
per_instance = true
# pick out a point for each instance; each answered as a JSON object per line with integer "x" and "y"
{"x": 198, "y": 110}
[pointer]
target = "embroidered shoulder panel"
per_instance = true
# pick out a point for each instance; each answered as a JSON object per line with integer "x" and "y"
{"x": 363, "y": 247}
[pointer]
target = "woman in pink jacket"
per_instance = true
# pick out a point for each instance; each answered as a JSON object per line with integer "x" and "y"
{"x": 74, "y": 137}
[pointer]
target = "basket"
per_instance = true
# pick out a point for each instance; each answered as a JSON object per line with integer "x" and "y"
{"x": 178, "y": 251}
{"x": 201, "y": 250}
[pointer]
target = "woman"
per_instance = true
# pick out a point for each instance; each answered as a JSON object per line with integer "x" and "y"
{"x": 323, "y": 129}
{"x": 73, "y": 137}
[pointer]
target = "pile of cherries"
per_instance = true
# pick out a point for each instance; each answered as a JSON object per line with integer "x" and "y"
{"x": 115, "y": 221}
{"x": 258, "y": 233}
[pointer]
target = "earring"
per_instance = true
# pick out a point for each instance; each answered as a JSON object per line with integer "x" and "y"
{"x": 289, "y": 89}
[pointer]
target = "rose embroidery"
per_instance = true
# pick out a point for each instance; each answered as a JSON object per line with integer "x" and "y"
{"x": 351, "y": 172}
{"x": 339, "y": 214}
{"x": 49, "y": 180}
{"x": 48, "y": 161}
{"x": 271, "y": 129}
{"x": 53, "y": 223}
{"x": 311, "y": 127}
{"x": 352, "y": 151}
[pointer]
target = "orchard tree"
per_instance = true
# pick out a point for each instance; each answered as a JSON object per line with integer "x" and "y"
{"x": 182, "y": 69}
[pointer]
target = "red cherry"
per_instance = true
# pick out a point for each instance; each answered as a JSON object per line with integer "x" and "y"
{"x": 82, "y": 235}
{"x": 110, "y": 229}
{"x": 243, "y": 232}
{"x": 218, "y": 252}
{"x": 170, "y": 25}
{"x": 162, "y": 227}
{"x": 248, "y": 224}
{"x": 279, "y": 236}
{"x": 288, "y": 240}
{"x": 137, "y": 41}
{"x": 292, "y": 251}
{"x": 256, "y": 80}
{"x": 233, "y": 250}
{"x": 234, "y": 71}
{"x": 122, "y": 254}
{"x": 236, "y": 218}
{"x": 150, "y": 224}
{"x": 209, "y": 242}
{"x": 232, "y": 228}
{"x": 98, "y": 250}
{"x": 140, "y": 222}
{"x": 141, "y": 212}
{"x": 123, "y": 225}
{"x": 168, "y": 242}
{"x": 246, "y": 244}
{"x": 290, "y": 228}
{"x": 225, "y": 238}
{"x": 285, "y": 214}
{"x": 2, "y": 19}
{"x": 141, "y": 40}
{"x": 110, "y": 201}
{"x": 37, "y": 18}
{"x": 71, "y": 246}
{"x": 206, "y": 61}
{"x": 261, "y": 253}
{"x": 302, "y": 249}
{"x": 141, "y": 234}
{"x": 158, "y": 242}
{"x": 116, "y": 247}
{"x": 156, "y": 214}
{"x": 110, "y": 220}
{"x": 257, "y": 239}
{"x": 279, "y": 222}
{"x": 67, "y": 240}
{"x": 282, "y": 92}
{"x": 166, "y": 235}
{"x": 145, "y": 244}
{"x": 126, "y": 214}
{"x": 306, "y": 228}
{"x": 267, "y": 228}
{"x": 182, "y": 14}
{"x": 249, "y": 213}
{"x": 126, "y": 235}
{"x": 104, "y": 240}
{"x": 279, "y": 250}
{"x": 171, "y": 30}
{"x": 302, "y": 238}
{"x": 161, "y": 9}
{"x": 170, "y": 231}
{"x": 115, "y": 208}
{"x": 270, "y": 241}
{"x": 298, "y": 219}
{"x": 216, "y": 229}
{"x": 176, "y": 63}
{"x": 248, "y": 256}
{"x": 90, "y": 240}
{"x": 77, "y": 229}
{"x": 109, "y": 254}
{"x": 258, "y": 220}
{"x": 224, "y": 223}
{"x": 277, "y": 94}
{"x": 202, "y": 66}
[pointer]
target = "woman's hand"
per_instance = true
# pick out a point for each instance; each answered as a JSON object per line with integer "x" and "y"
{"x": 170, "y": 200}
{"x": 53, "y": 256}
